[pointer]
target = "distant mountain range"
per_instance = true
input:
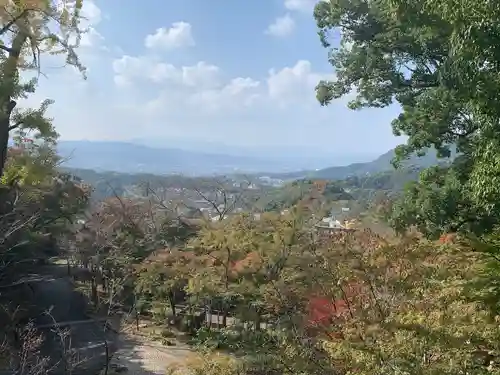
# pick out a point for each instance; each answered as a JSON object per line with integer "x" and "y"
{"x": 139, "y": 158}
{"x": 135, "y": 158}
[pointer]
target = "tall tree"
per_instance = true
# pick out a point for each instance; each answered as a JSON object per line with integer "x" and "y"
{"x": 440, "y": 62}
{"x": 29, "y": 29}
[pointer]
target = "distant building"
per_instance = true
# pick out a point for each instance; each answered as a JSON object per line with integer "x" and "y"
{"x": 330, "y": 222}
{"x": 329, "y": 225}
{"x": 217, "y": 218}
{"x": 266, "y": 180}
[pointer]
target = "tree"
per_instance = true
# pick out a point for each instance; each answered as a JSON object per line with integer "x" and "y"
{"x": 441, "y": 66}
{"x": 218, "y": 246}
{"x": 411, "y": 307}
{"x": 29, "y": 29}
{"x": 38, "y": 204}
{"x": 163, "y": 276}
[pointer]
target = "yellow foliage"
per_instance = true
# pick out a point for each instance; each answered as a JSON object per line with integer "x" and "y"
{"x": 208, "y": 364}
{"x": 30, "y": 166}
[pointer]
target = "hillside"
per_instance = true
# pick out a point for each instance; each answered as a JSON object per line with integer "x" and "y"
{"x": 380, "y": 164}
{"x": 309, "y": 191}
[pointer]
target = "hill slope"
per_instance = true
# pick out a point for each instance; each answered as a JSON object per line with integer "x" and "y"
{"x": 381, "y": 164}
{"x": 314, "y": 193}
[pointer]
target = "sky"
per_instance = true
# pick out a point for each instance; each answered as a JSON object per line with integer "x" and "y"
{"x": 236, "y": 72}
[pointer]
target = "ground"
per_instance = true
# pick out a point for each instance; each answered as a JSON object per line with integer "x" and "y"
{"x": 142, "y": 356}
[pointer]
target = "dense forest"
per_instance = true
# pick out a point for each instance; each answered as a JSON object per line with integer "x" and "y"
{"x": 240, "y": 274}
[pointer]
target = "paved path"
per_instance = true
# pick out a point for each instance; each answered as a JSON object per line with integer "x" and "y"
{"x": 145, "y": 357}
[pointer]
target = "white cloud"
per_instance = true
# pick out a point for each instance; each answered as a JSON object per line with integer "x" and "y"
{"x": 201, "y": 75}
{"x": 91, "y": 14}
{"x": 282, "y": 26}
{"x": 294, "y": 84}
{"x": 179, "y": 35}
{"x": 305, "y": 6}
{"x": 238, "y": 93}
{"x": 129, "y": 95}
{"x": 154, "y": 99}
{"x": 202, "y": 85}
{"x": 135, "y": 69}
{"x": 91, "y": 38}
{"x": 128, "y": 69}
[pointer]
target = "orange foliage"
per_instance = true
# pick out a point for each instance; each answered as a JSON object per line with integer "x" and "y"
{"x": 324, "y": 311}
{"x": 251, "y": 262}
{"x": 320, "y": 185}
{"x": 448, "y": 238}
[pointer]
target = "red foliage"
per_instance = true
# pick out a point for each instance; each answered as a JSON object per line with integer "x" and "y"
{"x": 447, "y": 238}
{"x": 323, "y": 313}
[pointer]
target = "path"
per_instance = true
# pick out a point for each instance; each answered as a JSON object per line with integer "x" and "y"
{"x": 146, "y": 357}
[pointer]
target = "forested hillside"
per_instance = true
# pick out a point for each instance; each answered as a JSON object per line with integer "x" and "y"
{"x": 382, "y": 164}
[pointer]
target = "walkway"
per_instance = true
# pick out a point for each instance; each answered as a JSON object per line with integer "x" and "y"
{"x": 141, "y": 356}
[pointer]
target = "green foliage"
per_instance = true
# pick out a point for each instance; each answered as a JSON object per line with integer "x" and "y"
{"x": 438, "y": 204}
{"x": 442, "y": 71}
{"x": 34, "y": 28}
{"x": 39, "y": 204}
{"x": 305, "y": 190}
{"x": 30, "y": 163}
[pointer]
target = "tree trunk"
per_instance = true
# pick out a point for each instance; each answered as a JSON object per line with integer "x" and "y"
{"x": 4, "y": 139}
{"x": 257, "y": 322}
{"x": 171, "y": 299}
{"x": 7, "y": 105}
{"x": 93, "y": 288}
{"x": 136, "y": 309}
{"x": 137, "y": 320}
{"x": 224, "y": 317}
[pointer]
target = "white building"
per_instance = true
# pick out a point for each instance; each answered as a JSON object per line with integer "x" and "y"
{"x": 330, "y": 222}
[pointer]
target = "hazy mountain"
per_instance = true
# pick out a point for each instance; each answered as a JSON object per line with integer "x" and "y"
{"x": 136, "y": 158}
{"x": 380, "y": 164}
{"x": 298, "y": 157}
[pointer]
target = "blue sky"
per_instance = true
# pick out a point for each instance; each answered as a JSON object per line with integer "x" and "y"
{"x": 233, "y": 72}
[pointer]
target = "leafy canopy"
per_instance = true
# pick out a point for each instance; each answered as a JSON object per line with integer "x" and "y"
{"x": 28, "y": 30}
{"x": 439, "y": 62}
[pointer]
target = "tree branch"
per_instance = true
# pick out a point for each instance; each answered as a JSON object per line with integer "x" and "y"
{"x": 15, "y": 126}
{"x": 5, "y": 48}
{"x": 9, "y": 24}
